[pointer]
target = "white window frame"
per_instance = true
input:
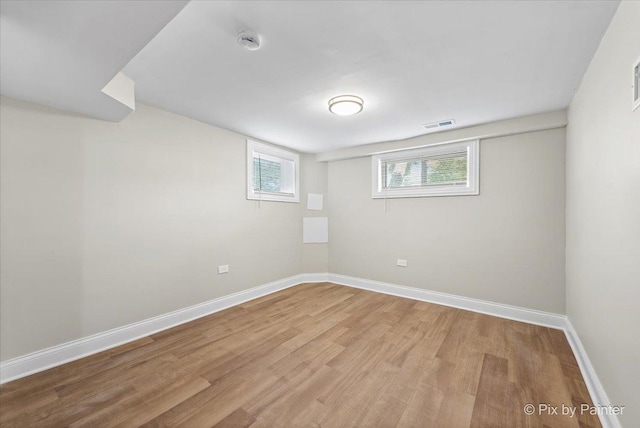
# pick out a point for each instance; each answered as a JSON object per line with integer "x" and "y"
{"x": 473, "y": 171}
{"x": 265, "y": 149}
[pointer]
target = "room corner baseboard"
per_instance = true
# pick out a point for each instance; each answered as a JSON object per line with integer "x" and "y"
{"x": 315, "y": 277}
{"x": 70, "y": 351}
{"x": 76, "y": 349}
{"x": 596, "y": 390}
{"x": 531, "y": 316}
{"x": 516, "y": 313}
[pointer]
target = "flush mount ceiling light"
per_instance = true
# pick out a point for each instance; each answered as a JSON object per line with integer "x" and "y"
{"x": 249, "y": 40}
{"x": 345, "y": 105}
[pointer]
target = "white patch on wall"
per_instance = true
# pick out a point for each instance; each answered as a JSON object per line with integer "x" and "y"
{"x": 315, "y": 201}
{"x": 315, "y": 230}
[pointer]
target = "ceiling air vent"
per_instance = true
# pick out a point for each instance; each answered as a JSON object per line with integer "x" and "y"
{"x": 440, "y": 124}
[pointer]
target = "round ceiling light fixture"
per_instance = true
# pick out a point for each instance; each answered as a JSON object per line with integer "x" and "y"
{"x": 249, "y": 40}
{"x": 346, "y": 105}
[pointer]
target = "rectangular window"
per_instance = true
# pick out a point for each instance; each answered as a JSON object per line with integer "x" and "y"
{"x": 438, "y": 170}
{"x": 272, "y": 173}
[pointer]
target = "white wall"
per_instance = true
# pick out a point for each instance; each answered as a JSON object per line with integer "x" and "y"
{"x": 315, "y": 257}
{"x": 603, "y": 214}
{"x": 505, "y": 245}
{"x": 104, "y": 224}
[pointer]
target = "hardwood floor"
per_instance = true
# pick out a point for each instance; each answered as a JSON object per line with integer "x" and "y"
{"x": 315, "y": 355}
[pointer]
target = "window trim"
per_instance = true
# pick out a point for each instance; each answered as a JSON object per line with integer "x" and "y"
{"x": 473, "y": 171}
{"x": 256, "y": 147}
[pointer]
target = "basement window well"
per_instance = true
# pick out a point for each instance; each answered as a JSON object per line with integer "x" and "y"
{"x": 272, "y": 173}
{"x": 450, "y": 169}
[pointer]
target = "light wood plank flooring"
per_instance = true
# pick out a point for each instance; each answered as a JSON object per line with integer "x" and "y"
{"x": 315, "y": 355}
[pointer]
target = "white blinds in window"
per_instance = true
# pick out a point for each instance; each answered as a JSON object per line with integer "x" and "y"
{"x": 272, "y": 174}
{"x": 448, "y": 169}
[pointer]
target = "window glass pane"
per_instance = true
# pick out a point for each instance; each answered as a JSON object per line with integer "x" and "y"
{"x": 436, "y": 170}
{"x": 272, "y": 173}
{"x": 447, "y": 170}
{"x": 266, "y": 175}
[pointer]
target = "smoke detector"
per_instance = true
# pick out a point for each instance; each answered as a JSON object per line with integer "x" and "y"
{"x": 440, "y": 124}
{"x": 249, "y": 40}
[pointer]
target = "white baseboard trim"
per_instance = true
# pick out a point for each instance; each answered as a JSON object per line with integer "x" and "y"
{"x": 76, "y": 349}
{"x": 596, "y": 390}
{"x": 315, "y": 277}
{"x": 70, "y": 351}
{"x": 531, "y": 316}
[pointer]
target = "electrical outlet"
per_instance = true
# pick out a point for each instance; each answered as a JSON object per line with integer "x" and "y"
{"x": 402, "y": 263}
{"x": 223, "y": 269}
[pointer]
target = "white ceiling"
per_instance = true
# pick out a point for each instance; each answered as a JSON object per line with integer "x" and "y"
{"x": 412, "y": 62}
{"x": 62, "y": 53}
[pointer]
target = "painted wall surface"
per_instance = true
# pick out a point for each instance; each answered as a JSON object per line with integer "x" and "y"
{"x": 315, "y": 257}
{"x": 505, "y": 245}
{"x": 603, "y": 214}
{"x": 104, "y": 224}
